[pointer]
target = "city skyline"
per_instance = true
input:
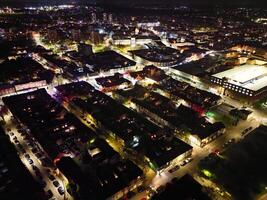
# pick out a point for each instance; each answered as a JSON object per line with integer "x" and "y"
{"x": 133, "y": 102}
{"x": 129, "y": 3}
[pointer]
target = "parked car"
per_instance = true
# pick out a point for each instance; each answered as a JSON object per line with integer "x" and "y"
{"x": 175, "y": 168}
{"x": 60, "y": 190}
{"x": 35, "y": 168}
{"x": 38, "y": 174}
{"x": 42, "y": 183}
{"x": 232, "y": 140}
{"x": 49, "y": 194}
{"x": 30, "y": 161}
{"x": 34, "y": 150}
{"x": 141, "y": 189}
{"x": 56, "y": 183}
{"x": 51, "y": 177}
{"x": 23, "y": 134}
{"x": 188, "y": 160}
{"x": 183, "y": 163}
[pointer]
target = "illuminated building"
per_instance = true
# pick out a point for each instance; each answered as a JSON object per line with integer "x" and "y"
{"x": 95, "y": 37}
{"x": 249, "y": 80}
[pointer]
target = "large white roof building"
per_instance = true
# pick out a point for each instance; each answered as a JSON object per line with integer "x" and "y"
{"x": 249, "y": 80}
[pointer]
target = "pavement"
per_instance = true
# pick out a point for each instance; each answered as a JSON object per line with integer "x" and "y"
{"x": 263, "y": 197}
{"x": 12, "y": 126}
{"x": 163, "y": 178}
{"x": 197, "y": 155}
{"x": 154, "y": 181}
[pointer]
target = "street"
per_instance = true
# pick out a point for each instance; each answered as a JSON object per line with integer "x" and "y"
{"x": 44, "y": 171}
{"x": 153, "y": 181}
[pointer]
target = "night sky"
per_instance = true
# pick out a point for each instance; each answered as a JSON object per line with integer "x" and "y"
{"x": 256, "y": 3}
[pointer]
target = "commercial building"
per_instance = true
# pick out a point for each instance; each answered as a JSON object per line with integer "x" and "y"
{"x": 63, "y": 136}
{"x": 58, "y": 131}
{"x": 85, "y": 49}
{"x": 95, "y": 37}
{"x": 109, "y": 177}
{"x": 108, "y": 61}
{"x": 68, "y": 68}
{"x": 196, "y": 68}
{"x": 52, "y": 35}
{"x": 133, "y": 40}
{"x": 76, "y": 34}
{"x": 158, "y": 56}
{"x": 248, "y": 80}
{"x": 199, "y": 100}
{"x": 182, "y": 119}
{"x": 110, "y": 83}
{"x": 150, "y": 72}
{"x": 155, "y": 146}
{"x": 21, "y": 74}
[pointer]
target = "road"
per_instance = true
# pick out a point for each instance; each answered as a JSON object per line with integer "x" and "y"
{"x": 162, "y": 179}
{"x": 198, "y": 154}
{"x": 11, "y": 127}
{"x": 263, "y": 197}
{"x": 153, "y": 180}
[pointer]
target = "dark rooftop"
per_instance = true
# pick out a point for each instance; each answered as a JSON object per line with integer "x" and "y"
{"x": 165, "y": 54}
{"x": 108, "y": 60}
{"x": 108, "y": 172}
{"x": 137, "y": 132}
{"x": 151, "y": 72}
{"x": 166, "y": 109}
{"x": 111, "y": 81}
{"x": 185, "y": 188}
{"x": 23, "y": 70}
{"x": 57, "y": 130}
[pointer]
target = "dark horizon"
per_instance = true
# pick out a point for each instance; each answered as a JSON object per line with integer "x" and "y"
{"x": 140, "y": 3}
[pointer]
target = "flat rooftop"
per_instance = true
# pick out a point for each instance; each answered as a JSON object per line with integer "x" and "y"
{"x": 108, "y": 172}
{"x": 252, "y": 77}
{"x": 166, "y": 54}
{"x": 151, "y": 72}
{"x": 188, "y": 93}
{"x": 108, "y": 60}
{"x": 136, "y": 131}
{"x": 57, "y": 130}
{"x": 23, "y": 70}
{"x": 165, "y": 109}
{"x": 111, "y": 81}
{"x": 185, "y": 188}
